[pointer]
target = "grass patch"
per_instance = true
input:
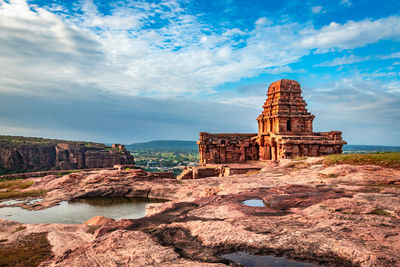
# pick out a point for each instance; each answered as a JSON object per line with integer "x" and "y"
{"x": 297, "y": 165}
{"x": 380, "y": 212}
{"x": 15, "y": 184}
{"x": 67, "y": 172}
{"x": 30, "y": 251}
{"x": 291, "y": 165}
{"x": 300, "y": 158}
{"x": 21, "y": 194}
{"x": 385, "y": 159}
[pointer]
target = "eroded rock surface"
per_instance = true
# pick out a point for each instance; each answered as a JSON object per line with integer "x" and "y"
{"x": 340, "y": 215}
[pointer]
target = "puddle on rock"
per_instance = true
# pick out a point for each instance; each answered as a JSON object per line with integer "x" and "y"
{"x": 254, "y": 203}
{"x": 24, "y": 201}
{"x": 11, "y": 202}
{"x": 248, "y": 260}
{"x": 80, "y": 210}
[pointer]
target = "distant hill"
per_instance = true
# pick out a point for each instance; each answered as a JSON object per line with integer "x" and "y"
{"x": 164, "y": 145}
{"x": 179, "y": 145}
{"x": 369, "y": 149}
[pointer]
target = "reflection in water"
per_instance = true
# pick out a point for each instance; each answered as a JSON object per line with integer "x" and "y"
{"x": 81, "y": 210}
{"x": 248, "y": 260}
{"x": 254, "y": 203}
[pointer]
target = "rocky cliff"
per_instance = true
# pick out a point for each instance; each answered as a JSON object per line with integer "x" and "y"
{"x": 19, "y": 154}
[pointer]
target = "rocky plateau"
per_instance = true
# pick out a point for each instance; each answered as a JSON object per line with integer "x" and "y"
{"x": 22, "y": 154}
{"x": 332, "y": 215}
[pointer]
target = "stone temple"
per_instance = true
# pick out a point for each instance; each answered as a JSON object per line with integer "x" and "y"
{"x": 285, "y": 131}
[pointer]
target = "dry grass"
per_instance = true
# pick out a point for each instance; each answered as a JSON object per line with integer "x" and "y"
{"x": 9, "y": 194}
{"x": 67, "y": 172}
{"x": 380, "y": 212}
{"x": 15, "y": 184}
{"x": 386, "y": 159}
{"x": 92, "y": 228}
{"x": 12, "y": 189}
{"x": 29, "y": 251}
{"x": 300, "y": 158}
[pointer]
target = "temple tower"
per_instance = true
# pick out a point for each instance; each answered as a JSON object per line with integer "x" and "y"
{"x": 285, "y": 111}
{"x": 285, "y": 131}
{"x": 285, "y": 127}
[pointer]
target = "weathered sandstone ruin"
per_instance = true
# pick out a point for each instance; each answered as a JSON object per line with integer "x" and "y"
{"x": 285, "y": 131}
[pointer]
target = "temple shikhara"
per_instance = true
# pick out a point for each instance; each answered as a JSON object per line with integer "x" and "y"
{"x": 285, "y": 131}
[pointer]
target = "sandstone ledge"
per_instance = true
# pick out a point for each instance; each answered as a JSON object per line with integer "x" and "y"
{"x": 340, "y": 215}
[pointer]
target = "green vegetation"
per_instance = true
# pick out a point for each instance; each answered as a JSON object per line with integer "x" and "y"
{"x": 300, "y": 158}
{"x": 68, "y": 172}
{"x": 30, "y": 251}
{"x": 18, "y": 140}
{"x": 165, "y": 145}
{"x": 21, "y": 194}
{"x": 380, "y": 212}
{"x": 369, "y": 149}
{"x": 164, "y": 159}
{"x": 11, "y": 189}
{"x": 159, "y": 156}
{"x": 386, "y": 159}
{"x": 15, "y": 184}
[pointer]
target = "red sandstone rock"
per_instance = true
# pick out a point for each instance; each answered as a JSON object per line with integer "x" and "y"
{"x": 350, "y": 218}
{"x": 98, "y": 220}
{"x": 54, "y": 154}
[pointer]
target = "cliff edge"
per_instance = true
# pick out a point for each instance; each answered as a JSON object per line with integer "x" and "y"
{"x": 21, "y": 154}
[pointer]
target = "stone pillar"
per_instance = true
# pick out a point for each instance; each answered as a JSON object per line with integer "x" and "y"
{"x": 268, "y": 152}
{"x": 242, "y": 154}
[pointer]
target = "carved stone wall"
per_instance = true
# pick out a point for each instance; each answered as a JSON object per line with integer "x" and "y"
{"x": 227, "y": 148}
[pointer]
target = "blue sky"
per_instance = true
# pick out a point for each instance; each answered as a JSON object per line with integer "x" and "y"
{"x": 132, "y": 71}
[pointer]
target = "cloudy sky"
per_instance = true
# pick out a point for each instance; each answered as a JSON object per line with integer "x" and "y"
{"x": 131, "y": 71}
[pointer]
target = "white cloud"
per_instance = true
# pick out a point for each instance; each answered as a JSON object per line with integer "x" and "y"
{"x": 262, "y": 21}
{"x": 316, "y": 9}
{"x": 390, "y": 56}
{"x": 343, "y": 61}
{"x": 355, "y": 103}
{"x": 346, "y": 2}
{"x": 153, "y": 49}
{"x": 121, "y": 53}
{"x": 352, "y": 34}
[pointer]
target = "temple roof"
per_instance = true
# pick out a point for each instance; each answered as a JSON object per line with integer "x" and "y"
{"x": 284, "y": 85}
{"x": 284, "y": 99}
